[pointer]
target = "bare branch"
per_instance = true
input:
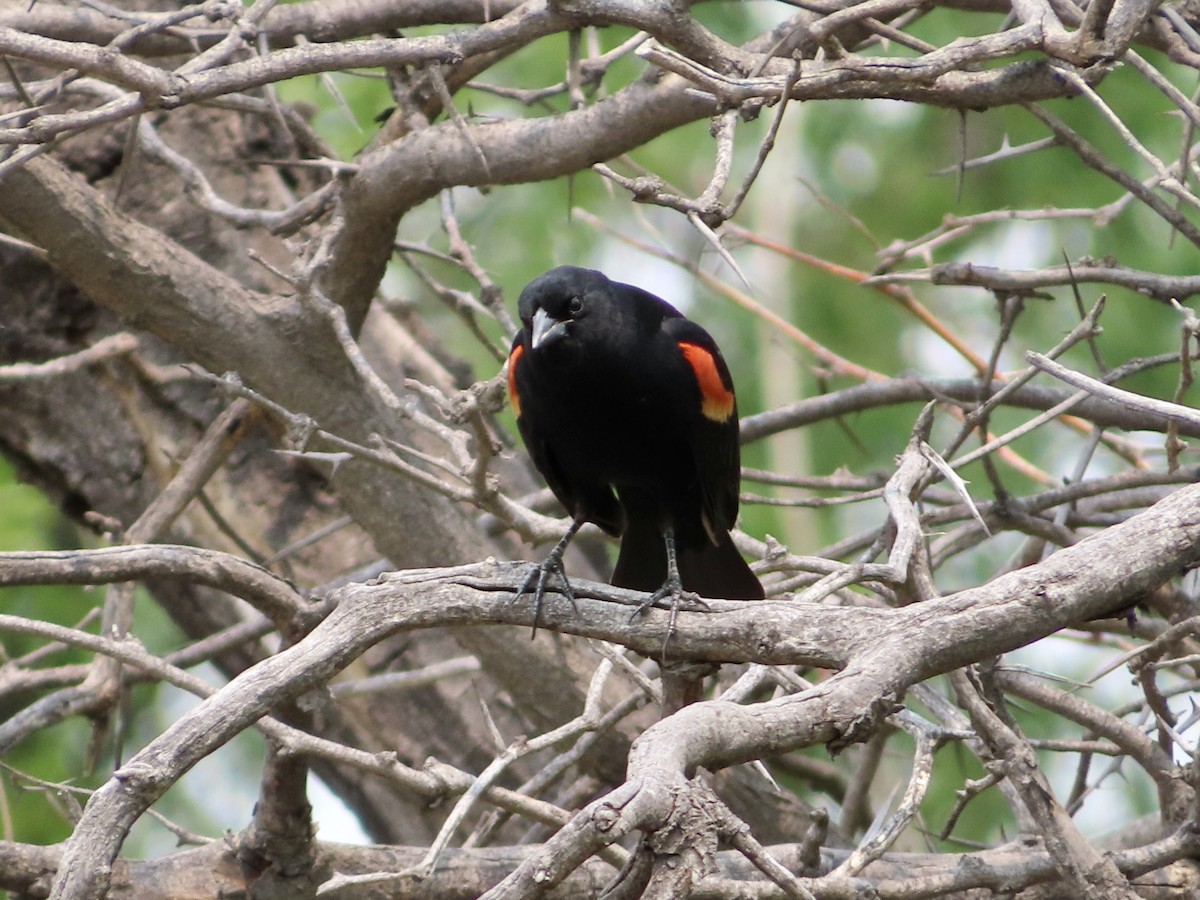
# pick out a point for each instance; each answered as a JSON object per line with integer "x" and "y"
{"x": 1150, "y": 284}
{"x": 111, "y": 347}
{"x": 107, "y": 565}
{"x": 1173, "y": 412}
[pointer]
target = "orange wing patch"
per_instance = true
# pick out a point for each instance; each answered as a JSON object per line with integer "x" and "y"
{"x": 716, "y": 399}
{"x": 513, "y": 397}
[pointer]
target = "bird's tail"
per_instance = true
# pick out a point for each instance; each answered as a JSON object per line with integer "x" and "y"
{"x": 710, "y": 570}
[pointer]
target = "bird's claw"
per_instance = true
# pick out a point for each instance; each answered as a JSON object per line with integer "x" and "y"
{"x": 677, "y": 596}
{"x": 539, "y": 576}
{"x": 672, "y": 590}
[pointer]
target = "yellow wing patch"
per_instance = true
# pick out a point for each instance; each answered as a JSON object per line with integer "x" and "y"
{"x": 716, "y": 400}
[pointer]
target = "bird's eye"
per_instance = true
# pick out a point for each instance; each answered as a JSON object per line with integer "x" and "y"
{"x": 575, "y": 307}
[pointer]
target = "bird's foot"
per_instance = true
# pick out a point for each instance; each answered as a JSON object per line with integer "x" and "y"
{"x": 536, "y": 583}
{"x": 672, "y": 591}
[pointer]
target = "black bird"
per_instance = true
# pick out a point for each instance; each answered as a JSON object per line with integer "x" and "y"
{"x": 615, "y": 391}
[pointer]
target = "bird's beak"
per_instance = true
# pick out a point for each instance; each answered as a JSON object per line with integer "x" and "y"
{"x": 546, "y": 330}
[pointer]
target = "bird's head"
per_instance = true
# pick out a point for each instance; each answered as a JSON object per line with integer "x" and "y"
{"x": 553, "y": 305}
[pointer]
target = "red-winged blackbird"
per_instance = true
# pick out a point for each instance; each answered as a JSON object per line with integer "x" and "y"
{"x": 615, "y": 390}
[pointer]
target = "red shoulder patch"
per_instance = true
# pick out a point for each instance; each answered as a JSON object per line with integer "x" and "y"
{"x": 513, "y": 397}
{"x": 716, "y": 399}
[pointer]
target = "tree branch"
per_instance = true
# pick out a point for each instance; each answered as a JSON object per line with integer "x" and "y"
{"x": 895, "y": 650}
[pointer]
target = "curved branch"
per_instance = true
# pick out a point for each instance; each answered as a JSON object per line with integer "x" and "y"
{"x": 393, "y": 179}
{"x": 916, "y": 389}
{"x": 323, "y": 21}
{"x": 913, "y": 643}
{"x": 270, "y": 594}
{"x": 279, "y": 347}
{"x": 885, "y": 651}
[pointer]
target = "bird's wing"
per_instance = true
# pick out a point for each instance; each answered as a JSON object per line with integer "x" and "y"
{"x": 713, "y": 426}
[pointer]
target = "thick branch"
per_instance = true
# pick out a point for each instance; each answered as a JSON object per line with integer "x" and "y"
{"x": 108, "y": 565}
{"x": 210, "y": 871}
{"x": 290, "y": 353}
{"x": 327, "y": 20}
{"x": 277, "y": 346}
{"x": 393, "y": 179}
{"x": 1091, "y": 578}
{"x": 884, "y": 651}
